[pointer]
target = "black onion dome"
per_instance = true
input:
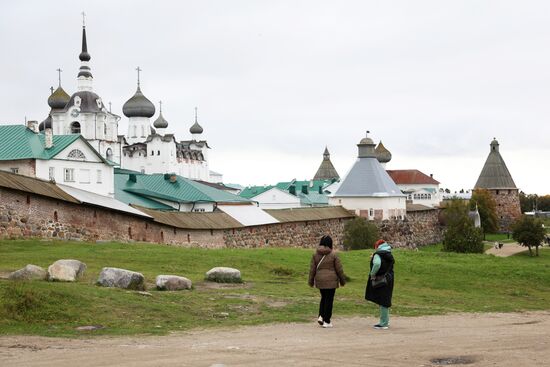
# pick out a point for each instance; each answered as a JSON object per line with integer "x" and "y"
{"x": 196, "y": 128}
{"x": 58, "y": 99}
{"x": 46, "y": 124}
{"x": 89, "y": 102}
{"x": 160, "y": 122}
{"x": 138, "y": 106}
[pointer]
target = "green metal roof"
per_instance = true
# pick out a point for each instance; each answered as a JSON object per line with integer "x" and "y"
{"x": 251, "y": 191}
{"x": 159, "y": 186}
{"x": 130, "y": 198}
{"x": 20, "y": 142}
{"x": 315, "y": 184}
{"x": 313, "y": 199}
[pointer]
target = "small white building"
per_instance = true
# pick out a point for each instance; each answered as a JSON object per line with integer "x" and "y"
{"x": 67, "y": 159}
{"x": 368, "y": 189}
{"x": 271, "y": 197}
{"x": 419, "y": 187}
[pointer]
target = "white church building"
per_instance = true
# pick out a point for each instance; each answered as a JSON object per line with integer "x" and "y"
{"x": 146, "y": 148}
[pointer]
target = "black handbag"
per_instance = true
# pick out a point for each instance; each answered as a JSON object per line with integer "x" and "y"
{"x": 379, "y": 281}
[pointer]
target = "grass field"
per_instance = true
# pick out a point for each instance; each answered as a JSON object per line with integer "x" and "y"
{"x": 274, "y": 289}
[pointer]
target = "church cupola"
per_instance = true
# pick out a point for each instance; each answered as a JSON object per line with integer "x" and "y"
{"x": 138, "y": 105}
{"x": 160, "y": 123}
{"x": 58, "y": 99}
{"x": 382, "y": 154}
{"x": 196, "y": 130}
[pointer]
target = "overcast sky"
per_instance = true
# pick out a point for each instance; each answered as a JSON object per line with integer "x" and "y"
{"x": 276, "y": 81}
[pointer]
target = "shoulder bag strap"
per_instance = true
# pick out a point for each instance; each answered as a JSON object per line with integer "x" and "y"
{"x": 320, "y": 262}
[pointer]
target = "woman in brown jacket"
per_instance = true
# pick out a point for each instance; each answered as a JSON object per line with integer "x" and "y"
{"x": 326, "y": 273}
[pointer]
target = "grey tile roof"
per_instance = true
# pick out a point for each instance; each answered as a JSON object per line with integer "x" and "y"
{"x": 495, "y": 174}
{"x": 368, "y": 178}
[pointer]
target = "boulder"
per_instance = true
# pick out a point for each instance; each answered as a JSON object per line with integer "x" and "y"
{"x": 172, "y": 283}
{"x": 224, "y": 275}
{"x": 29, "y": 272}
{"x": 121, "y": 278}
{"x": 66, "y": 270}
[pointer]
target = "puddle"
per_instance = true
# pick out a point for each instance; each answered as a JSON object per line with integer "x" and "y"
{"x": 451, "y": 361}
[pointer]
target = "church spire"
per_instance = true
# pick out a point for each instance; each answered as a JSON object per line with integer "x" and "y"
{"x": 85, "y": 77}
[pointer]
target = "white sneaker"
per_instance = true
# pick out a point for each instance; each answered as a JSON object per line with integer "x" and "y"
{"x": 320, "y": 320}
{"x": 325, "y": 325}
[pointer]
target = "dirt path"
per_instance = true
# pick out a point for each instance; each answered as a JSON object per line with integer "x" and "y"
{"x": 483, "y": 339}
{"x": 508, "y": 249}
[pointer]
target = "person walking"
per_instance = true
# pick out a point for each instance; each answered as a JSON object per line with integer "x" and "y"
{"x": 326, "y": 273}
{"x": 380, "y": 291}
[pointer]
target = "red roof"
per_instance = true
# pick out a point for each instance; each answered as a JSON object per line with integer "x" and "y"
{"x": 411, "y": 177}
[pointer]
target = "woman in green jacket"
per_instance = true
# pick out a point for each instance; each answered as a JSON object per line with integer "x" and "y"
{"x": 381, "y": 264}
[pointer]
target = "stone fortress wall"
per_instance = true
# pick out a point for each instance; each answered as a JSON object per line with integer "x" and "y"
{"x": 27, "y": 215}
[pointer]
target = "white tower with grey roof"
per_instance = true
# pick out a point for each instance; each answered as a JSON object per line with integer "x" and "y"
{"x": 367, "y": 189}
{"x": 85, "y": 113}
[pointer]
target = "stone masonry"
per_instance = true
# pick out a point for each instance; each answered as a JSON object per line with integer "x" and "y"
{"x": 507, "y": 207}
{"x": 25, "y": 215}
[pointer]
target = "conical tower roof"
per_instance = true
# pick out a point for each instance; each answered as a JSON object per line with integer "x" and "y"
{"x": 326, "y": 170}
{"x": 367, "y": 177}
{"x": 495, "y": 174}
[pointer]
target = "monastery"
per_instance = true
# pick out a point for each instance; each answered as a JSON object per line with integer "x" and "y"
{"x": 146, "y": 147}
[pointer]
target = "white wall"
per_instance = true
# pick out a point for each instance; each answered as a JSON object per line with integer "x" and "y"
{"x": 139, "y": 128}
{"x": 90, "y": 174}
{"x": 435, "y": 199}
{"x": 366, "y": 206}
{"x": 276, "y": 199}
{"x": 166, "y": 161}
{"x": 198, "y": 207}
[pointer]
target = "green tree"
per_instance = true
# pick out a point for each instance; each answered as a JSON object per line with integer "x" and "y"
{"x": 359, "y": 234}
{"x": 486, "y": 206}
{"x": 528, "y": 231}
{"x": 461, "y": 235}
{"x": 526, "y": 201}
{"x": 543, "y": 203}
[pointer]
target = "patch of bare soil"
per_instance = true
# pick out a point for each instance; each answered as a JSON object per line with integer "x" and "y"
{"x": 508, "y": 249}
{"x": 515, "y": 339}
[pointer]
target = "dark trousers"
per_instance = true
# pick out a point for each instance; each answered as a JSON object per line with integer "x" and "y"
{"x": 325, "y": 307}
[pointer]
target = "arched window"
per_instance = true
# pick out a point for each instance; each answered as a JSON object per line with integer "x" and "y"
{"x": 104, "y": 129}
{"x": 75, "y": 127}
{"x": 135, "y": 132}
{"x": 109, "y": 154}
{"x": 76, "y": 154}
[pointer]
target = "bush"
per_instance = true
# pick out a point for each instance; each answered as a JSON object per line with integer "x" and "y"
{"x": 461, "y": 234}
{"x": 359, "y": 234}
{"x": 486, "y": 206}
{"x": 528, "y": 231}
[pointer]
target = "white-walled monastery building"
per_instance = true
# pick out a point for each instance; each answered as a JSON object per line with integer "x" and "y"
{"x": 146, "y": 147}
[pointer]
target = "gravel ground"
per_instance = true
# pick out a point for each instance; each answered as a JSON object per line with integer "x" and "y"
{"x": 492, "y": 339}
